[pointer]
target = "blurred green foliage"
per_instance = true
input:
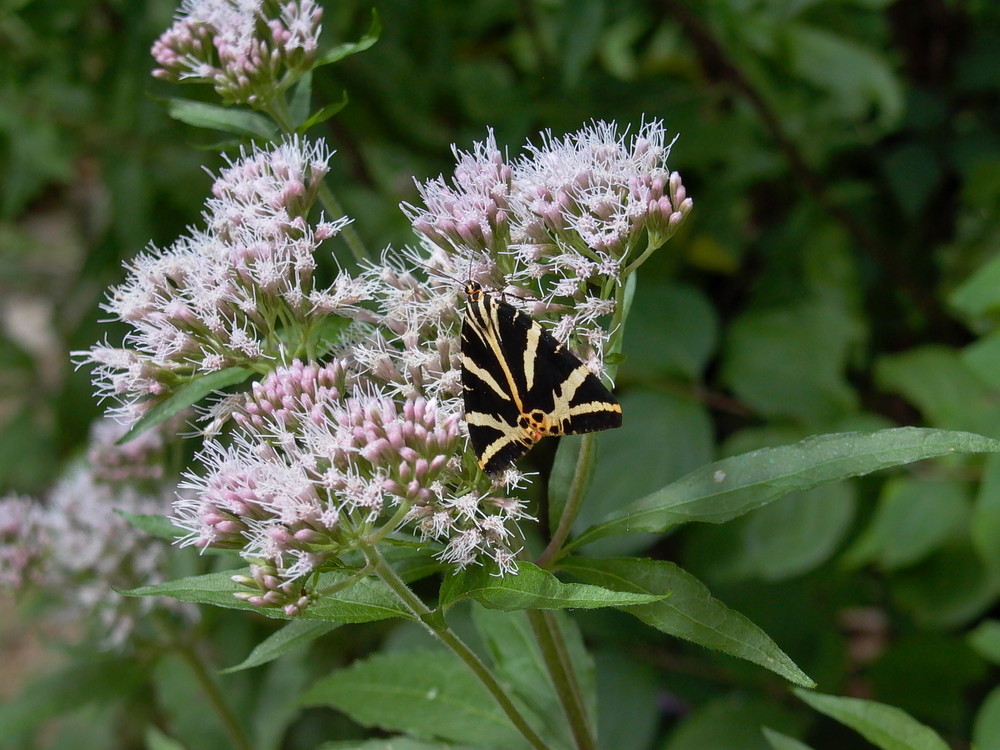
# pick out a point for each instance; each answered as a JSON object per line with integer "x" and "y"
{"x": 839, "y": 272}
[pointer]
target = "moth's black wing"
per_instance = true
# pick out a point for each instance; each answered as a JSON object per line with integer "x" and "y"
{"x": 520, "y": 384}
{"x": 492, "y": 405}
{"x": 564, "y": 388}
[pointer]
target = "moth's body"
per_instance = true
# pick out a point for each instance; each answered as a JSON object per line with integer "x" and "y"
{"x": 522, "y": 385}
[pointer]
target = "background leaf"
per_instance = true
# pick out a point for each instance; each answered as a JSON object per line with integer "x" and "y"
{"x": 364, "y": 601}
{"x": 885, "y": 726}
{"x": 532, "y": 588}
{"x": 428, "y": 694}
{"x": 690, "y": 612}
{"x": 730, "y": 487}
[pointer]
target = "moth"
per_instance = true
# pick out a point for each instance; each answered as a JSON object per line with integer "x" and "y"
{"x": 521, "y": 384}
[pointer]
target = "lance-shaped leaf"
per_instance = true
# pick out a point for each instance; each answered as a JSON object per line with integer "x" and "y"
{"x": 534, "y": 588}
{"x": 690, "y": 612}
{"x": 365, "y": 600}
{"x": 188, "y": 394}
{"x": 160, "y": 527}
{"x": 779, "y": 741}
{"x": 341, "y": 51}
{"x": 237, "y": 121}
{"x": 733, "y": 486}
{"x": 429, "y": 694}
{"x": 294, "y": 634}
{"x": 888, "y": 727}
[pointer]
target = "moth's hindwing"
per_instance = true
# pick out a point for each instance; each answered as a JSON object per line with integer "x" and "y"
{"x": 521, "y": 384}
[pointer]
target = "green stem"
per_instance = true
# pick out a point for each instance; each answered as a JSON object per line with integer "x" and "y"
{"x": 623, "y": 304}
{"x": 215, "y": 697}
{"x": 433, "y": 621}
{"x": 277, "y": 108}
{"x": 574, "y": 500}
{"x": 651, "y": 247}
{"x": 560, "y": 667}
{"x": 351, "y": 237}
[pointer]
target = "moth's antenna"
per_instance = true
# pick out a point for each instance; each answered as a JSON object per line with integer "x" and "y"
{"x": 468, "y": 271}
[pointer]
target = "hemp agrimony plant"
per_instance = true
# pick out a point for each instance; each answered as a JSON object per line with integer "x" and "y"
{"x": 333, "y": 464}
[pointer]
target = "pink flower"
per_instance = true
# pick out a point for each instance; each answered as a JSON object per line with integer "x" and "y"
{"x": 245, "y": 48}
{"x": 241, "y": 293}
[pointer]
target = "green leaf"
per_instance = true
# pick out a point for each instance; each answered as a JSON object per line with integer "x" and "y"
{"x": 664, "y": 437}
{"x": 985, "y": 523}
{"x": 326, "y": 336}
{"x": 188, "y": 394}
{"x": 690, "y": 612}
{"x": 794, "y": 535}
{"x": 564, "y": 472}
{"x": 301, "y": 96}
{"x": 790, "y": 361}
{"x": 321, "y": 115}
{"x": 275, "y": 708}
{"x": 160, "y": 527}
{"x": 928, "y": 674}
{"x": 212, "y": 116}
{"x": 937, "y": 381}
{"x": 427, "y": 693}
{"x": 532, "y": 588}
{"x": 947, "y": 589}
{"x": 885, "y": 726}
{"x": 733, "y": 486}
{"x": 157, "y": 740}
{"x": 983, "y": 359}
{"x": 980, "y": 293}
{"x": 986, "y": 727}
{"x": 352, "y": 48}
{"x": 914, "y": 517}
{"x": 855, "y": 76}
{"x": 672, "y": 329}
{"x": 78, "y": 684}
{"x": 296, "y": 633}
{"x": 27, "y": 450}
{"x": 583, "y": 25}
{"x": 518, "y": 663}
{"x": 779, "y": 741}
{"x": 364, "y": 601}
{"x": 985, "y": 639}
{"x": 912, "y": 172}
{"x": 629, "y": 695}
{"x": 733, "y": 723}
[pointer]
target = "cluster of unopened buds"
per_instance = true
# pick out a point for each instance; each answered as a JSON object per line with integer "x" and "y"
{"x": 246, "y": 49}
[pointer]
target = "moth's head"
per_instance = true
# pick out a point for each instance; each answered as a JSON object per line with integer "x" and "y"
{"x": 473, "y": 290}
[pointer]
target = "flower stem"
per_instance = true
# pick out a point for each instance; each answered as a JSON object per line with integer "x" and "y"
{"x": 433, "y": 621}
{"x": 351, "y": 237}
{"x": 560, "y": 667}
{"x": 277, "y": 108}
{"x": 215, "y": 697}
{"x": 574, "y": 500}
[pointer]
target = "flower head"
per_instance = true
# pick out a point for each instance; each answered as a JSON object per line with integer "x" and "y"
{"x": 216, "y": 298}
{"x": 23, "y": 541}
{"x": 247, "y": 49}
{"x": 561, "y": 224}
{"x": 79, "y": 548}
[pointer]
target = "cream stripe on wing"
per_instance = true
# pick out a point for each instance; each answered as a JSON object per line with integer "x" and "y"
{"x": 485, "y": 377}
{"x": 530, "y": 354}
{"x": 561, "y": 407}
{"x": 489, "y": 310}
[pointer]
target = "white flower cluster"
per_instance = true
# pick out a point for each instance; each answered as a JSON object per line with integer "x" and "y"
{"x": 244, "y": 48}
{"x": 76, "y": 545}
{"x": 230, "y": 295}
{"x": 560, "y": 224}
